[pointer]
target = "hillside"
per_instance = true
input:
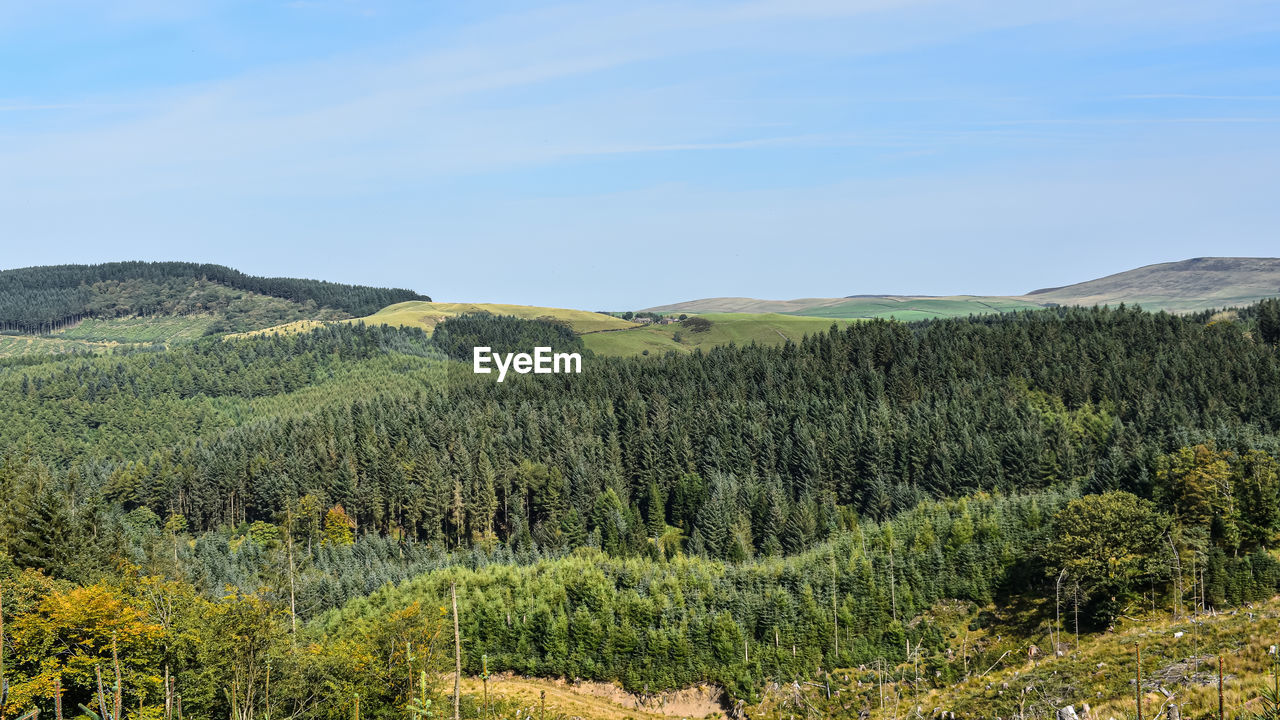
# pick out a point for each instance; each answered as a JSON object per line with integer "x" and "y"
{"x": 1093, "y": 672}
{"x": 426, "y": 315}
{"x": 46, "y": 298}
{"x": 1186, "y": 286}
{"x": 899, "y": 307}
{"x": 725, "y": 328}
{"x": 1196, "y": 284}
{"x": 67, "y": 308}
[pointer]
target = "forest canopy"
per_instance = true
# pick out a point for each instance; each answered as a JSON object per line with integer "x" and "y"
{"x": 728, "y": 516}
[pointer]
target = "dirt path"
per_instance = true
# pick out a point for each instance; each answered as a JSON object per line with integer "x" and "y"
{"x": 598, "y": 701}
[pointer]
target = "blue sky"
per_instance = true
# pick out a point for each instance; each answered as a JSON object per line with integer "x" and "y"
{"x": 622, "y": 155}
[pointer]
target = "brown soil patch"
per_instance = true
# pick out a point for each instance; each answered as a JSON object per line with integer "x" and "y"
{"x": 602, "y": 701}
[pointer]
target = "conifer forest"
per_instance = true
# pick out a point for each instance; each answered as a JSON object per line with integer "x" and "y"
{"x": 292, "y": 524}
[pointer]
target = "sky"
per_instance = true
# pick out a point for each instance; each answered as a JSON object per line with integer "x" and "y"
{"x": 620, "y": 155}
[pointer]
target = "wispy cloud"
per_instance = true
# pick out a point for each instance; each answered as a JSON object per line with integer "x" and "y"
{"x": 1193, "y": 96}
{"x": 35, "y": 108}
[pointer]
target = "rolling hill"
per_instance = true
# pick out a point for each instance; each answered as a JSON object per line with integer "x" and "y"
{"x": 66, "y": 308}
{"x": 1186, "y": 286}
{"x": 426, "y": 315}
{"x": 601, "y": 334}
{"x": 725, "y": 328}
{"x": 1196, "y": 284}
{"x": 77, "y": 308}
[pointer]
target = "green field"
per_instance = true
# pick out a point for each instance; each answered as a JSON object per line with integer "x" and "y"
{"x": 739, "y": 328}
{"x": 140, "y": 329}
{"x": 907, "y": 309}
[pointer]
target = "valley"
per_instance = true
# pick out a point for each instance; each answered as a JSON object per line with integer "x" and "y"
{"x": 764, "y": 516}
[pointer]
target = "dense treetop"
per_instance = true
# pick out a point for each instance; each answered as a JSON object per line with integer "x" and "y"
{"x": 457, "y": 336}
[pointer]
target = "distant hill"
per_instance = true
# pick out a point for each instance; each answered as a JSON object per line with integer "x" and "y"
{"x": 1186, "y": 286}
{"x": 61, "y": 308}
{"x": 427, "y": 315}
{"x": 724, "y": 328}
{"x": 602, "y": 334}
{"x": 47, "y": 298}
{"x": 900, "y": 307}
{"x": 1196, "y": 284}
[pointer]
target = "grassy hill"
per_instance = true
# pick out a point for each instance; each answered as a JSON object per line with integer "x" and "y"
{"x": 601, "y": 334}
{"x": 426, "y": 315}
{"x": 1186, "y": 286}
{"x": 898, "y": 307}
{"x": 102, "y": 307}
{"x": 739, "y": 328}
{"x": 907, "y": 309}
{"x": 1196, "y": 284}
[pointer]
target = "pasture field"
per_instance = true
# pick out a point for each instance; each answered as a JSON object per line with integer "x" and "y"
{"x": 427, "y": 314}
{"x": 738, "y": 328}
{"x": 907, "y": 308}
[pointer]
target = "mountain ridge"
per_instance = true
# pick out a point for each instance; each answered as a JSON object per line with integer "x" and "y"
{"x": 1200, "y": 283}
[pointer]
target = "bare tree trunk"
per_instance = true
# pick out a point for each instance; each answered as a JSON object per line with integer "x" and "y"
{"x": 293, "y": 601}
{"x": 1057, "y": 612}
{"x": 1222, "y": 715}
{"x": 893, "y": 596}
{"x": 880, "y": 676}
{"x": 1138, "y": 649}
{"x": 1076, "y": 610}
{"x": 1177, "y": 577}
{"x": 835, "y": 618}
